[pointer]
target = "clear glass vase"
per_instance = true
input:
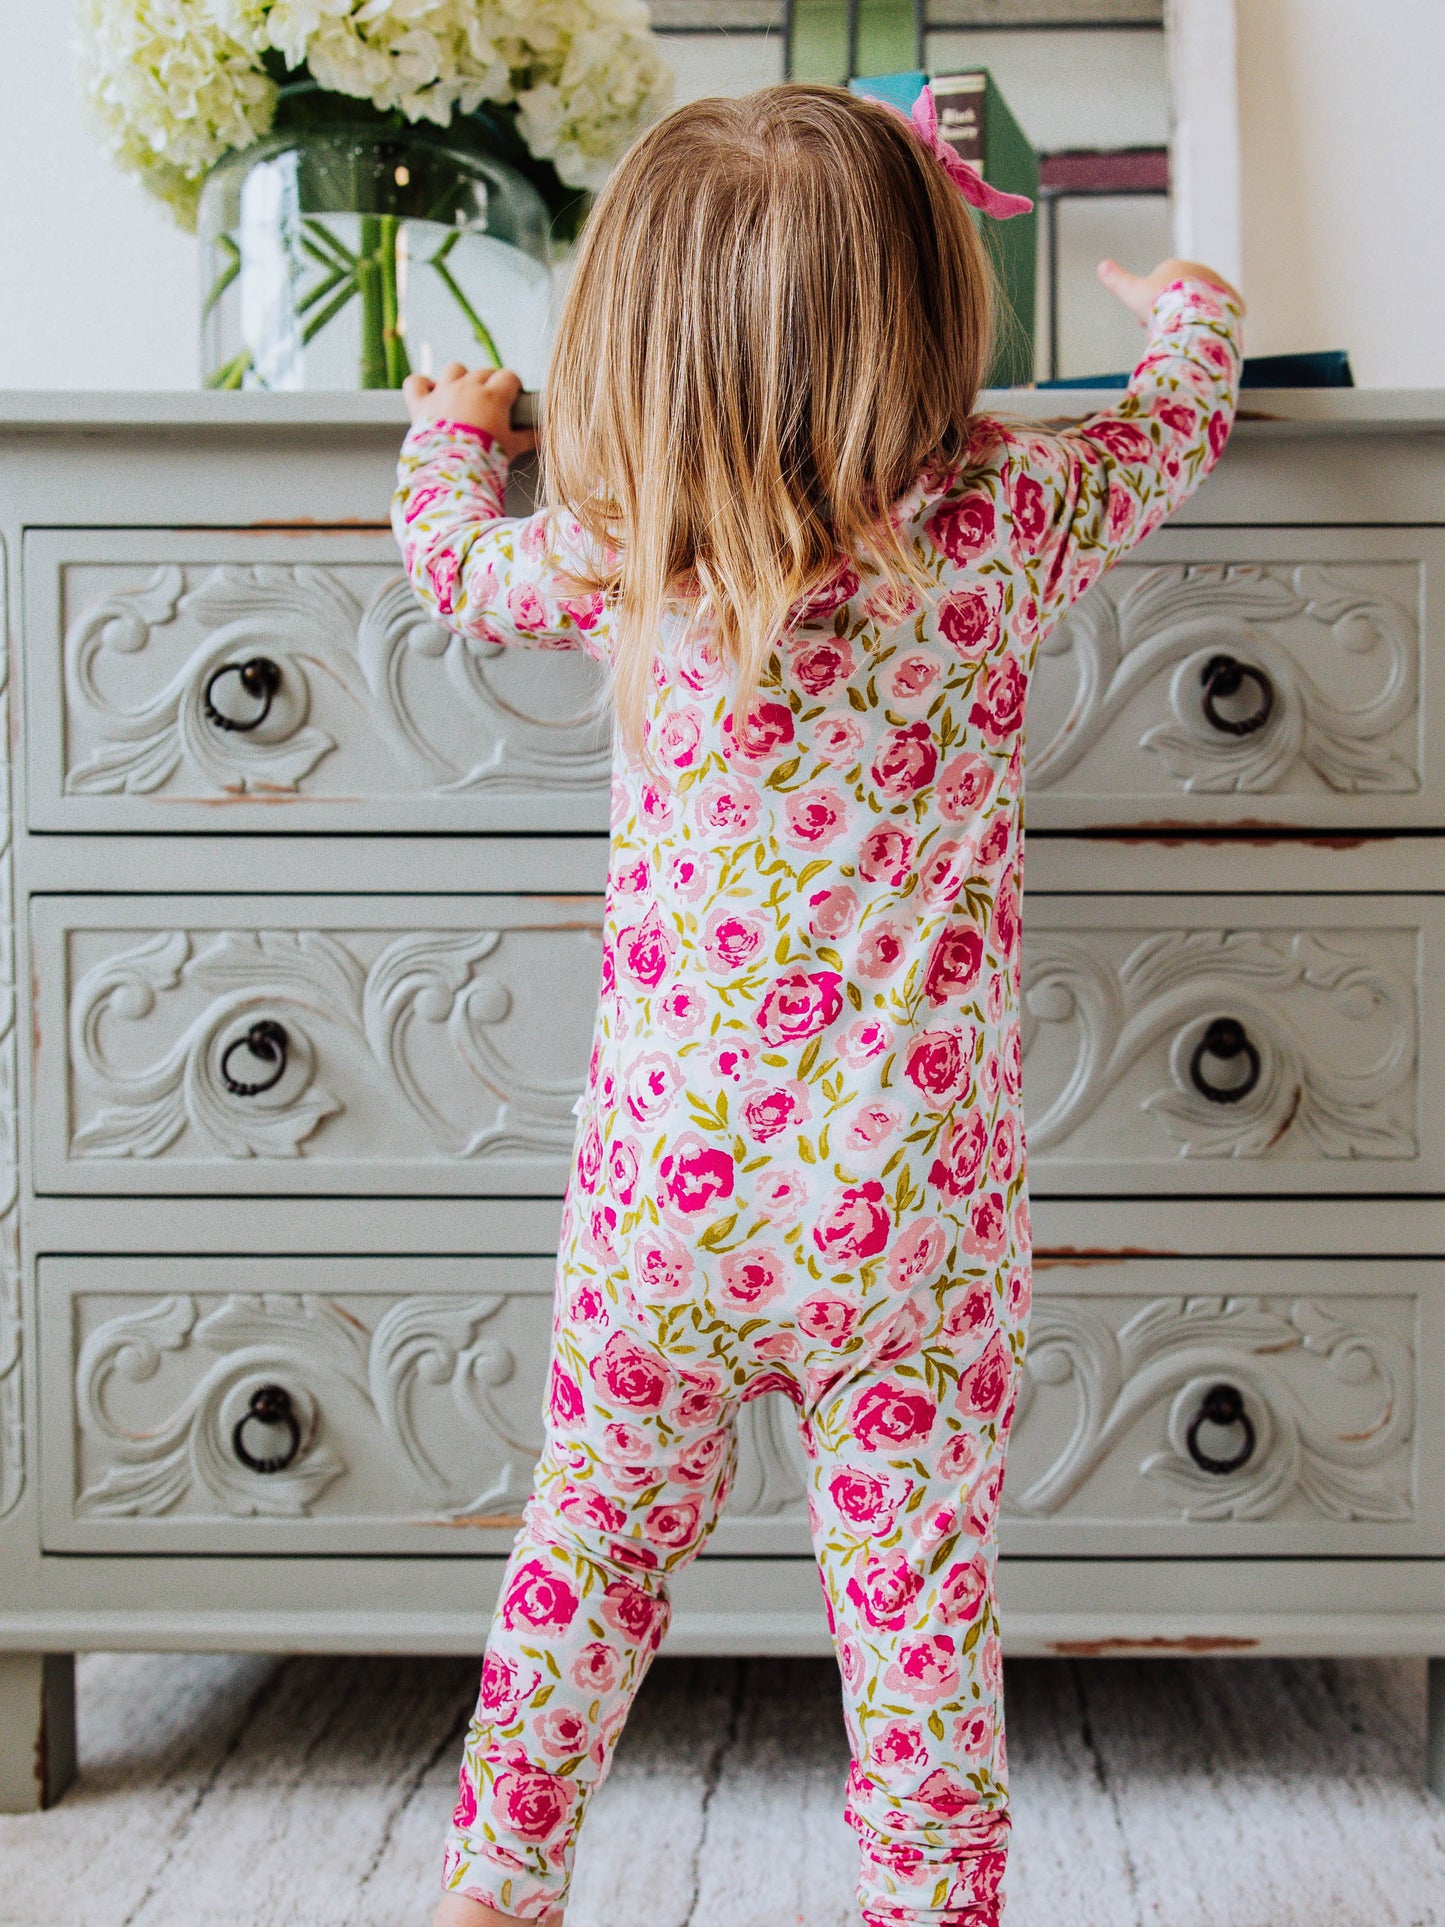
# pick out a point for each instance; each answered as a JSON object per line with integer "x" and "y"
{"x": 349, "y": 256}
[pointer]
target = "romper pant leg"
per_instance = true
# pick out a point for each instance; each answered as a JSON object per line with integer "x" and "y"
{"x": 905, "y": 1483}
{"x": 635, "y": 1469}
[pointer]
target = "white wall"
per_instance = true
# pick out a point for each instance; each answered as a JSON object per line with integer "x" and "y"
{"x": 1343, "y": 214}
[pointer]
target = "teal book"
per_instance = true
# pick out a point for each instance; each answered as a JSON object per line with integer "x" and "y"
{"x": 974, "y": 118}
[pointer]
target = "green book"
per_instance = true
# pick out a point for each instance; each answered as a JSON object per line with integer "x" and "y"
{"x": 974, "y": 118}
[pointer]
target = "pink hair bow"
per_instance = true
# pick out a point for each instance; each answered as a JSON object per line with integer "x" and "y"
{"x": 967, "y": 179}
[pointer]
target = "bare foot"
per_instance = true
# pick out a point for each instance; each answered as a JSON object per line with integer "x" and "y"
{"x": 456, "y": 1910}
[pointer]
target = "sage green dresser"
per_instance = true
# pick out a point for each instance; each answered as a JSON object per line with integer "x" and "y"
{"x": 300, "y": 945}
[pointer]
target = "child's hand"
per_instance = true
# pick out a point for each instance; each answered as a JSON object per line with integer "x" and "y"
{"x": 1139, "y": 292}
{"x": 481, "y": 397}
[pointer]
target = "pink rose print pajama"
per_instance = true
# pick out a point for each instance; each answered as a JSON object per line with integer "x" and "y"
{"x": 800, "y": 1155}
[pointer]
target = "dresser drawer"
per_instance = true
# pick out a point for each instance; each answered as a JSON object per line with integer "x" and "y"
{"x": 1247, "y": 676}
{"x": 1334, "y": 1367}
{"x": 423, "y": 1045}
{"x": 409, "y": 1421}
{"x": 362, "y": 714}
{"x": 1197, "y": 1044}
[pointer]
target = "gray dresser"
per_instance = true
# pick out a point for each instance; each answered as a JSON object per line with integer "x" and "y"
{"x": 300, "y": 949}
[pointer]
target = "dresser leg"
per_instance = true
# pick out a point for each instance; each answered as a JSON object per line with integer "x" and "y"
{"x": 1435, "y": 1730}
{"x": 37, "y": 1729}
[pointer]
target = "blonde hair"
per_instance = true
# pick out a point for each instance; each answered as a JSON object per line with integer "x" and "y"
{"x": 780, "y": 316}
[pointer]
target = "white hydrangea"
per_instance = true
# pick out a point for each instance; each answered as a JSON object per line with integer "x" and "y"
{"x": 175, "y": 84}
{"x": 171, "y": 89}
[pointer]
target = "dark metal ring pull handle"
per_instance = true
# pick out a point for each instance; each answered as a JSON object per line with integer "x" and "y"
{"x": 1223, "y": 677}
{"x": 259, "y": 677}
{"x": 271, "y": 1405}
{"x": 1225, "y": 1039}
{"x": 266, "y": 1040}
{"x": 1221, "y": 1405}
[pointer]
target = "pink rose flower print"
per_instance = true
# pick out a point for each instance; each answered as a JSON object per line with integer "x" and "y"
{"x": 634, "y": 1612}
{"x": 562, "y": 1733}
{"x": 650, "y": 1084}
{"x": 960, "y": 1156}
{"x": 690, "y": 873}
{"x": 662, "y": 1266}
{"x": 767, "y": 728}
{"x": 864, "y": 1499}
{"x": 827, "y": 1316}
{"x": 815, "y": 816}
{"x": 1029, "y": 508}
{"x": 1125, "y": 441}
{"x": 679, "y": 736}
{"x": 673, "y": 1526}
{"x": 532, "y": 1804}
{"x": 539, "y": 1598}
{"x": 891, "y": 1414}
{"x": 885, "y": 855}
{"x": 444, "y": 572}
{"x": 464, "y": 1813}
{"x": 501, "y": 1691}
{"x": 939, "y": 1065}
{"x": 527, "y": 609}
{"x": 751, "y": 1277}
{"x": 837, "y": 740}
{"x": 732, "y": 939}
{"x": 779, "y": 1194}
{"x": 1005, "y": 925}
{"x": 999, "y": 708}
{"x": 954, "y": 963}
{"x": 871, "y": 1125}
{"x": 987, "y": 1230}
{"x": 945, "y": 1795}
{"x": 863, "y": 1041}
{"x": 916, "y": 1254}
{"x": 827, "y": 597}
{"x": 646, "y": 950}
{"x": 962, "y": 1591}
{"x": 905, "y": 762}
{"x": 728, "y": 807}
{"x": 881, "y": 950}
{"x": 564, "y": 1400}
{"x": 694, "y": 1176}
{"x": 994, "y": 843}
{"x": 964, "y": 785}
{"x": 925, "y": 1670}
{"x": 969, "y": 619}
{"x": 622, "y": 1168}
{"x": 699, "y": 1399}
{"x": 967, "y": 1315}
{"x": 698, "y": 1461}
{"x": 885, "y": 1590}
{"x": 964, "y": 530}
{"x": 822, "y": 666}
{"x": 632, "y": 1375}
{"x": 912, "y": 683}
{"x": 899, "y": 1744}
{"x": 766, "y": 1113}
{"x": 799, "y": 1006}
{"x": 834, "y": 913}
{"x": 983, "y": 1388}
{"x": 591, "y": 1508}
{"x": 682, "y": 1011}
{"x": 853, "y": 1225}
{"x": 944, "y": 874}
{"x": 960, "y": 1456}
{"x": 973, "y": 1734}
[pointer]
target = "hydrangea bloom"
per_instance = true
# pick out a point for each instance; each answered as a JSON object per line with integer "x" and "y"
{"x": 173, "y": 85}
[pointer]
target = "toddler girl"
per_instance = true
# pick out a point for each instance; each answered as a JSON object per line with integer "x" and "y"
{"x": 819, "y": 581}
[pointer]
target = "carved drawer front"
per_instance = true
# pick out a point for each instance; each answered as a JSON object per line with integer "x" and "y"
{"x": 1270, "y": 676}
{"x": 1177, "y": 1044}
{"x": 322, "y": 1405}
{"x": 185, "y": 680}
{"x": 1242, "y": 1406}
{"x": 311, "y": 1044}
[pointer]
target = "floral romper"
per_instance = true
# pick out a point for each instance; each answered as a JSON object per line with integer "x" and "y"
{"x": 800, "y": 1157}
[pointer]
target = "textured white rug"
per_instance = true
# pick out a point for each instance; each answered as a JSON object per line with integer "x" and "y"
{"x": 251, "y": 1792}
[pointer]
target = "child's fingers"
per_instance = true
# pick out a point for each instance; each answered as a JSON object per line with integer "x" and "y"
{"x": 417, "y": 387}
{"x": 454, "y": 371}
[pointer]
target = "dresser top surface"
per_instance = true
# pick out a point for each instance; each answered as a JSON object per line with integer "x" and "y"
{"x": 1264, "y": 411}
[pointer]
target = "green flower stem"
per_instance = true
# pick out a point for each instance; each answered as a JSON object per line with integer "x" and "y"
{"x": 397, "y": 365}
{"x": 324, "y": 286}
{"x": 229, "y": 270}
{"x": 318, "y": 236}
{"x": 373, "y": 324}
{"x": 328, "y": 313}
{"x": 480, "y": 329}
{"x": 233, "y": 374}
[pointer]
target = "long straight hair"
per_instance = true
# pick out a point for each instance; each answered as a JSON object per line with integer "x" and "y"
{"x": 780, "y": 317}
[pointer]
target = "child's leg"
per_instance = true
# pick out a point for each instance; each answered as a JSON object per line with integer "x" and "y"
{"x": 628, "y": 1487}
{"x": 905, "y": 1491}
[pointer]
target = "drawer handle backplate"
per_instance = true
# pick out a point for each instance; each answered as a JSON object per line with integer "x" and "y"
{"x": 271, "y": 1405}
{"x": 1225, "y": 1039}
{"x": 266, "y": 1040}
{"x": 1221, "y": 1405}
{"x": 259, "y": 677}
{"x": 1223, "y": 677}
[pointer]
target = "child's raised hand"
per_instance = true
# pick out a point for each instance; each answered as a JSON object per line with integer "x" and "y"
{"x": 480, "y": 397}
{"x": 1139, "y": 292}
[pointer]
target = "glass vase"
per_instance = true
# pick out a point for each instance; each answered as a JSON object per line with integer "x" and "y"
{"x": 349, "y": 256}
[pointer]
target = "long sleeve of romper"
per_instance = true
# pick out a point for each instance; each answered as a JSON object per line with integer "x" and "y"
{"x": 1081, "y": 499}
{"x": 482, "y": 573}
